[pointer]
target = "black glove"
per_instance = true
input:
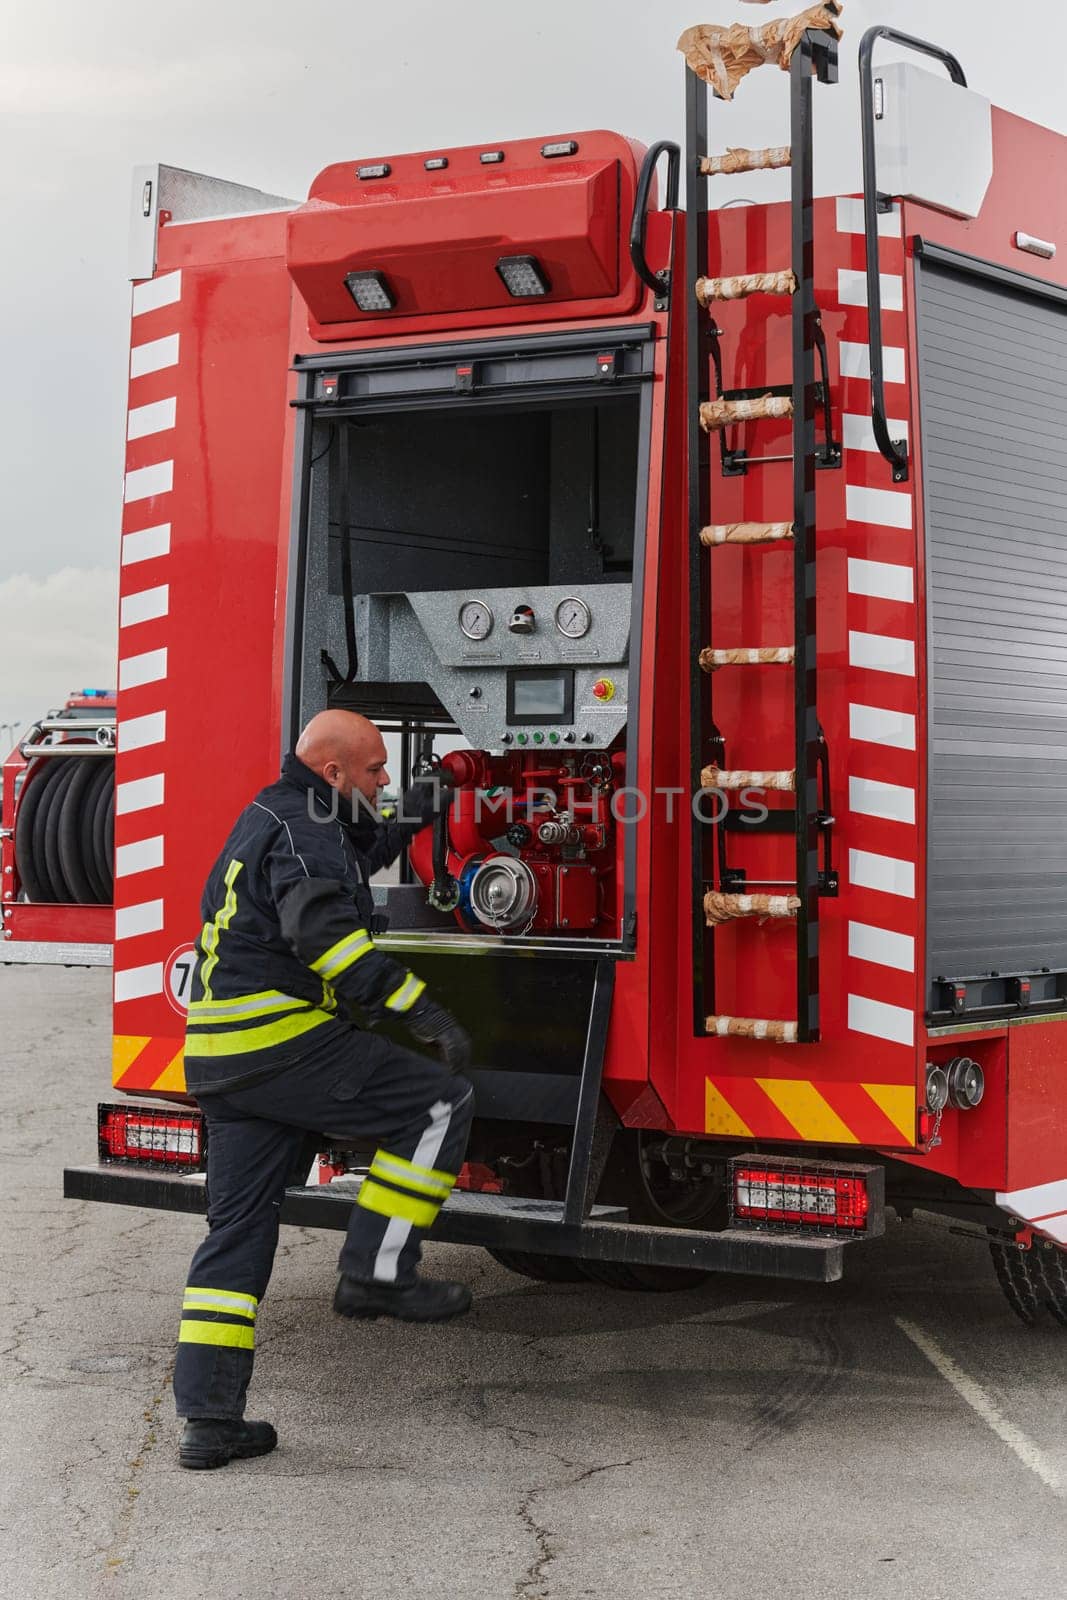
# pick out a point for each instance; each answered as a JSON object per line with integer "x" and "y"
{"x": 431, "y": 1024}
{"x": 427, "y": 796}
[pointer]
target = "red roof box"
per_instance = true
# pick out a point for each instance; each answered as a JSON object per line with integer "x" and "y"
{"x": 536, "y": 230}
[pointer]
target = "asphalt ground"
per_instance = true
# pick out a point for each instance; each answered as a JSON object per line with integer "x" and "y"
{"x": 897, "y": 1434}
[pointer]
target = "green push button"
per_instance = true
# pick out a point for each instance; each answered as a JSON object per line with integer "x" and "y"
{"x": 520, "y": 738}
{"x": 553, "y": 738}
{"x": 538, "y": 738}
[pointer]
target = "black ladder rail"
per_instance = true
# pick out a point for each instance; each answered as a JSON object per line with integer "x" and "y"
{"x": 895, "y": 451}
{"x": 816, "y": 54}
{"x": 699, "y": 500}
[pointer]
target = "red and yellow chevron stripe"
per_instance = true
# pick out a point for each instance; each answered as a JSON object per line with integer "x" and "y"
{"x": 152, "y": 1063}
{"x": 881, "y": 1116}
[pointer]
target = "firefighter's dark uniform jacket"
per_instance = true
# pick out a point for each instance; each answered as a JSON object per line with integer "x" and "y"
{"x": 271, "y": 1052}
{"x": 286, "y": 946}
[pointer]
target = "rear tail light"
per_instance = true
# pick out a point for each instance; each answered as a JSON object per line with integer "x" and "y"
{"x": 146, "y": 1137}
{"x": 805, "y": 1196}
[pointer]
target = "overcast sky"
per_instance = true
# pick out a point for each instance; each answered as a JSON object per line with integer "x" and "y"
{"x": 267, "y": 93}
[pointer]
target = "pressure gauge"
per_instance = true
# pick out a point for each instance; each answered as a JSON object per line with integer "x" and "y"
{"x": 475, "y": 619}
{"x": 573, "y": 618}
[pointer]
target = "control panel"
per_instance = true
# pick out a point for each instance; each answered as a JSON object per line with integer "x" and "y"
{"x": 515, "y": 668}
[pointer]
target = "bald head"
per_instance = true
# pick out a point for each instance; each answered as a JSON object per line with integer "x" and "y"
{"x": 347, "y": 750}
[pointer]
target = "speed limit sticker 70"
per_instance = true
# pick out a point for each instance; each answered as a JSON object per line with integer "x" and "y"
{"x": 178, "y": 976}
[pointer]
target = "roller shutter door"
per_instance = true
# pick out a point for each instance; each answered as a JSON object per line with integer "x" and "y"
{"x": 993, "y": 394}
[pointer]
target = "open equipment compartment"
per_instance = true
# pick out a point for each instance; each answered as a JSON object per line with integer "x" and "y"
{"x": 512, "y": 476}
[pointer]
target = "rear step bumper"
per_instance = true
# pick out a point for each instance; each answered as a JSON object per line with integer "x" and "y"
{"x": 504, "y": 1222}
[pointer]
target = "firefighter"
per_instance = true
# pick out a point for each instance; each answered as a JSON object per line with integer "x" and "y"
{"x": 275, "y": 1061}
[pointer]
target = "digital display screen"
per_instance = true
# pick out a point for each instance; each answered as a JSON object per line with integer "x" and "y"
{"x": 541, "y": 696}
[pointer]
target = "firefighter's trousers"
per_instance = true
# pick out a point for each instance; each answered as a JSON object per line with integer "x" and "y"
{"x": 263, "y": 1137}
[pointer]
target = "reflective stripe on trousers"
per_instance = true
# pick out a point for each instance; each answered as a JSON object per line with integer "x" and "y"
{"x": 409, "y": 1192}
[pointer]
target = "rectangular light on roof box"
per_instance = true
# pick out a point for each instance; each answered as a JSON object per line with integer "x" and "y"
{"x": 523, "y": 276}
{"x": 370, "y": 291}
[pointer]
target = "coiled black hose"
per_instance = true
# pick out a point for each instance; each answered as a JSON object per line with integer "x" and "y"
{"x": 64, "y": 831}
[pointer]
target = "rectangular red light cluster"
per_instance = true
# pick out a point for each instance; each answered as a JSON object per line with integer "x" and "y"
{"x": 145, "y": 1137}
{"x": 800, "y": 1197}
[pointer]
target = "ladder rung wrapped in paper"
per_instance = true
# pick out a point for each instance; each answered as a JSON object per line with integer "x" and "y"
{"x": 720, "y": 907}
{"x": 763, "y": 656}
{"x": 723, "y": 56}
{"x": 718, "y": 778}
{"x": 746, "y": 283}
{"x": 716, "y": 414}
{"x": 752, "y": 1028}
{"x": 746, "y": 533}
{"x": 739, "y": 160}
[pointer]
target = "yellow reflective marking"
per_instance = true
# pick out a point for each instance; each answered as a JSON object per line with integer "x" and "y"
{"x": 239, "y": 1042}
{"x": 387, "y": 1203}
{"x": 214, "y": 930}
{"x": 341, "y": 955}
{"x": 192, "y": 1331}
{"x": 209, "y": 1305}
{"x": 394, "y": 1172}
{"x": 433, "y": 1174}
{"x": 897, "y": 1102}
{"x": 720, "y": 1116}
{"x": 238, "y": 1297}
{"x": 240, "y": 1010}
{"x": 262, "y": 997}
{"x": 125, "y": 1048}
{"x": 217, "y": 1300}
{"x": 805, "y": 1108}
{"x": 173, "y": 1074}
{"x": 404, "y": 998}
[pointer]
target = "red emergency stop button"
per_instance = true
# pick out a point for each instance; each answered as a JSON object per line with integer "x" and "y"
{"x": 603, "y": 689}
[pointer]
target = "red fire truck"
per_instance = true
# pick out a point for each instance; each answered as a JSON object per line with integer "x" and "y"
{"x": 57, "y": 836}
{"x": 714, "y": 554}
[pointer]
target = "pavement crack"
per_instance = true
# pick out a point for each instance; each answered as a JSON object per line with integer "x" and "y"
{"x": 607, "y": 1466}
{"x": 115, "y": 1554}
{"x": 531, "y": 1586}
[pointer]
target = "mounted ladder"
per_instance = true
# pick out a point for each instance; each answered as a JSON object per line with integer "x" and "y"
{"x": 717, "y": 58}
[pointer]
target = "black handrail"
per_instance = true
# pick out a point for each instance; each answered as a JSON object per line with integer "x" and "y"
{"x": 658, "y": 282}
{"x": 895, "y": 451}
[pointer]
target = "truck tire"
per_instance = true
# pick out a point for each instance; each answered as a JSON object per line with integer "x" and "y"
{"x": 52, "y": 811}
{"x": 1034, "y": 1280}
{"x": 73, "y": 836}
{"x": 635, "y": 1182}
{"x": 29, "y": 861}
{"x": 540, "y": 1267}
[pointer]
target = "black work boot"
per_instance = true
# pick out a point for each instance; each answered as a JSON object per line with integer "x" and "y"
{"x": 425, "y": 1300}
{"x": 212, "y": 1441}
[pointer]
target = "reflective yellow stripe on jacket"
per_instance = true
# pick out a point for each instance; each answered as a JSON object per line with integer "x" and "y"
{"x": 404, "y": 998}
{"x": 344, "y": 954}
{"x": 213, "y": 930}
{"x": 241, "y": 1041}
{"x": 268, "y": 1002}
